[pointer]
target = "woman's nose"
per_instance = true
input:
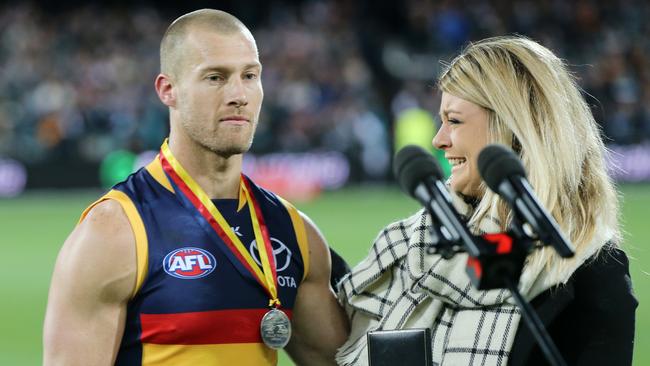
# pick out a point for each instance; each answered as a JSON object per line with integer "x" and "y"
{"x": 441, "y": 140}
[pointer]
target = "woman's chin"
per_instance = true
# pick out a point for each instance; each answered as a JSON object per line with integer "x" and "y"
{"x": 464, "y": 190}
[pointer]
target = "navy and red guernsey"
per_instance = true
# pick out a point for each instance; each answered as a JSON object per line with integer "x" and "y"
{"x": 193, "y": 303}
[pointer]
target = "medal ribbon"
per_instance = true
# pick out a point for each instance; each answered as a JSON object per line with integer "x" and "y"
{"x": 267, "y": 276}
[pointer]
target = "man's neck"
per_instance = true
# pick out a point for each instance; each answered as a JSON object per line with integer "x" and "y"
{"x": 218, "y": 176}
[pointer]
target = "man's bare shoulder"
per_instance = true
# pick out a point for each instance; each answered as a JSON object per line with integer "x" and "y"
{"x": 106, "y": 217}
{"x": 102, "y": 248}
{"x": 318, "y": 251}
{"x": 93, "y": 280}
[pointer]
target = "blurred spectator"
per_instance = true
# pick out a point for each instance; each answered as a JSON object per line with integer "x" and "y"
{"x": 77, "y": 84}
{"x": 605, "y": 43}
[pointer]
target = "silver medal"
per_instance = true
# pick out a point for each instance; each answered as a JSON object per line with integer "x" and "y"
{"x": 276, "y": 329}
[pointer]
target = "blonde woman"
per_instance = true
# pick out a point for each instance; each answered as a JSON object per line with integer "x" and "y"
{"x": 513, "y": 91}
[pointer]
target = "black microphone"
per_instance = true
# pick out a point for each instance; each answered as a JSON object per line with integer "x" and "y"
{"x": 419, "y": 175}
{"x": 504, "y": 173}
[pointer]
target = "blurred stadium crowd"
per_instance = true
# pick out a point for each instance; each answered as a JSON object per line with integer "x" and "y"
{"x": 77, "y": 82}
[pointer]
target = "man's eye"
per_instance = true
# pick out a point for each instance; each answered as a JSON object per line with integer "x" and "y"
{"x": 251, "y": 76}
{"x": 215, "y": 78}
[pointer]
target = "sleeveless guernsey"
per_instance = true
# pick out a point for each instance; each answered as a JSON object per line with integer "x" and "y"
{"x": 191, "y": 305}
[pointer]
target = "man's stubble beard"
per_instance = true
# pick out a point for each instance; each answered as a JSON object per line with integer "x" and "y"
{"x": 217, "y": 141}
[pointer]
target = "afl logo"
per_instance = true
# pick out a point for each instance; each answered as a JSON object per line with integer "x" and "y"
{"x": 189, "y": 263}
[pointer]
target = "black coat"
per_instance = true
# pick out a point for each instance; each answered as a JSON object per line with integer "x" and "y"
{"x": 590, "y": 319}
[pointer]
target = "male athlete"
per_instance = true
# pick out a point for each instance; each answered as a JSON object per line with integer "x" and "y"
{"x": 188, "y": 262}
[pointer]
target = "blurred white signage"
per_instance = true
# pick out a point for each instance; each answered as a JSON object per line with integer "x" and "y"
{"x": 13, "y": 177}
{"x": 298, "y": 176}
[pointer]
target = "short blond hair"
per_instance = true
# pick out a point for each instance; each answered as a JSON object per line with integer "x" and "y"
{"x": 535, "y": 106}
{"x": 172, "y": 50}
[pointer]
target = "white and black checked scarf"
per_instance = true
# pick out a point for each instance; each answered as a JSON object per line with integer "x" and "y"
{"x": 399, "y": 285}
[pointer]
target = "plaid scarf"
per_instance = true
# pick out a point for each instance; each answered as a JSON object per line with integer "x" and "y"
{"x": 399, "y": 285}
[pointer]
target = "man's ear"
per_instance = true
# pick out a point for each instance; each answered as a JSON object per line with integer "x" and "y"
{"x": 165, "y": 90}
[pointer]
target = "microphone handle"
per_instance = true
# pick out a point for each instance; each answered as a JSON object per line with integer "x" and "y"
{"x": 542, "y": 222}
{"x": 444, "y": 211}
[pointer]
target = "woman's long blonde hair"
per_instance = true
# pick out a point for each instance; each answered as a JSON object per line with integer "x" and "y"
{"x": 535, "y": 107}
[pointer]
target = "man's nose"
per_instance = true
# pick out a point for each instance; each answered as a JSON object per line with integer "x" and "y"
{"x": 236, "y": 93}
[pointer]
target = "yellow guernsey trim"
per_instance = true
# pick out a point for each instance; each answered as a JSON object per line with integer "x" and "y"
{"x": 141, "y": 244}
{"x": 230, "y": 354}
{"x": 155, "y": 169}
{"x": 301, "y": 234}
{"x": 242, "y": 198}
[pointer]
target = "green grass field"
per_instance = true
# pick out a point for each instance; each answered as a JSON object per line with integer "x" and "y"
{"x": 33, "y": 227}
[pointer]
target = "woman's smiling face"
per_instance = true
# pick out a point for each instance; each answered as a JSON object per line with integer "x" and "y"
{"x": 462, "y": 135}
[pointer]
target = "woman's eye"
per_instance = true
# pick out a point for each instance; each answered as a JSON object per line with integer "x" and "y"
{"x": 453, "y": 121}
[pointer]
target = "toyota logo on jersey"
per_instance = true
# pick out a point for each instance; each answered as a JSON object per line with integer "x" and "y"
{"x": 281, "y": 254}
{"x": 189, "y": 263}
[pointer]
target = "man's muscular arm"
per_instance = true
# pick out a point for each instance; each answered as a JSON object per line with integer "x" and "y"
{"x": 94, "y": 276}
{"x": 319, "y": 324}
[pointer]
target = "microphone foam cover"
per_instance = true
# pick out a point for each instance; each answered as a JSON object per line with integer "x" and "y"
{"x": 496, "y": 163}
{"x": 412, "y": 164}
